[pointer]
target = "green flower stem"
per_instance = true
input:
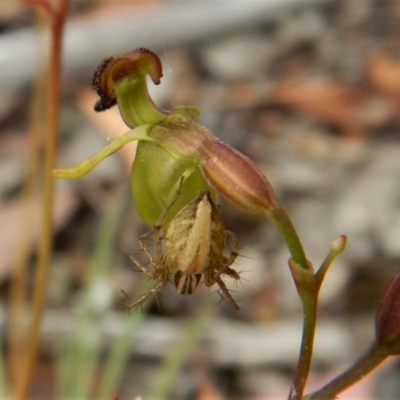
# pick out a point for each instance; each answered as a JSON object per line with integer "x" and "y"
{"x": 307, "y": 345}
{"x": 308, "y": 298}
{"x": 370, "y": 360}
{"x": 289, "y": 233}
{"x": 308, "y": 285}
{"x": 140, "y": 133}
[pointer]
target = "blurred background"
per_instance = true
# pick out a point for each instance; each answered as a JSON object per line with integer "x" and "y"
{"x": 309, "y": 90}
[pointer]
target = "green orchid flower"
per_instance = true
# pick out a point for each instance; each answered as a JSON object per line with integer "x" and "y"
{"x": 175, "y": 152}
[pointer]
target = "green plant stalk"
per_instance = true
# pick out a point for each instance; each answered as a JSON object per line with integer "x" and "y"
{"x": 309, "y": 304}
{"x": 310, "y": 285}
{"x": 79, "y": 361}
{"x": 46, "y": 240}
{"x": 306, "y": 350}
{"x": 309, "y": 299}
{"x": 121, "y": 351}
{"x": 4, "y": 384}
{"x": 163, "y": 384}
{"x": 290, "y": 236}
{"x": 18, "y": 297}
{"x": 370, "y": 360}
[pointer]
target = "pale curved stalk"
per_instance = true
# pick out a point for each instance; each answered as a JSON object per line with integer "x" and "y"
{"x": 140, "y": 133}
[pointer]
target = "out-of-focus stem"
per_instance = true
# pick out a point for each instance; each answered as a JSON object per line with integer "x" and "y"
{"x": 17, "y": 333}
{"x": 46, "y": 239}
{"x": 370, "y": 360}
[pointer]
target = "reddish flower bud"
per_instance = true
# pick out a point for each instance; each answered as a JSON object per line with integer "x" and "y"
{"x": 231, "y": 174}
{"x": 388, "y": 317}
{"x": 236, "y": 178}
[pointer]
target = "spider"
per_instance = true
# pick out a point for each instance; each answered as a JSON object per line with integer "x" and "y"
{"x": 194, "y": 246}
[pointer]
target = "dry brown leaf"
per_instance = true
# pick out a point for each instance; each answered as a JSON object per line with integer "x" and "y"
{"x": 329, "y": 101}
{"x": 384, "y": 74}
{"x": 352, "y": 110}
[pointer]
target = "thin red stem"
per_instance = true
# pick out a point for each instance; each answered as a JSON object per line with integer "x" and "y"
{"x": 46, "y": 240}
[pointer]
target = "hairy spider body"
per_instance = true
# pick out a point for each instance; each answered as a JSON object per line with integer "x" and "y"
{"x": 195, "y": 243}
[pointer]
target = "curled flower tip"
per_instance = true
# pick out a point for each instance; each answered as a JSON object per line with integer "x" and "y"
{"x": 388, "y": 317}
{"x": 140, "y": 61}
{"x": 99, "y": 83}
{"x": 122, "y": 80}
{"x": 236, "y": 178}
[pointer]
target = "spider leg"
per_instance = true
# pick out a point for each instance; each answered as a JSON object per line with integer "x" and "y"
{"x": 150, "y": 274}
{"x": 231, "y": 259}
{"x": 144, "y": 248}
{"x": 158, "y": 238}
{"x": 171, "y": 203}
{"x": 231, "y": 272}
{"x": 160, "y": 285}
{"x": 225, "y": 294}
{"x": 232, "y": 240}
{"x": 223, "y": 268}
{"x": 212, "y": 277}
